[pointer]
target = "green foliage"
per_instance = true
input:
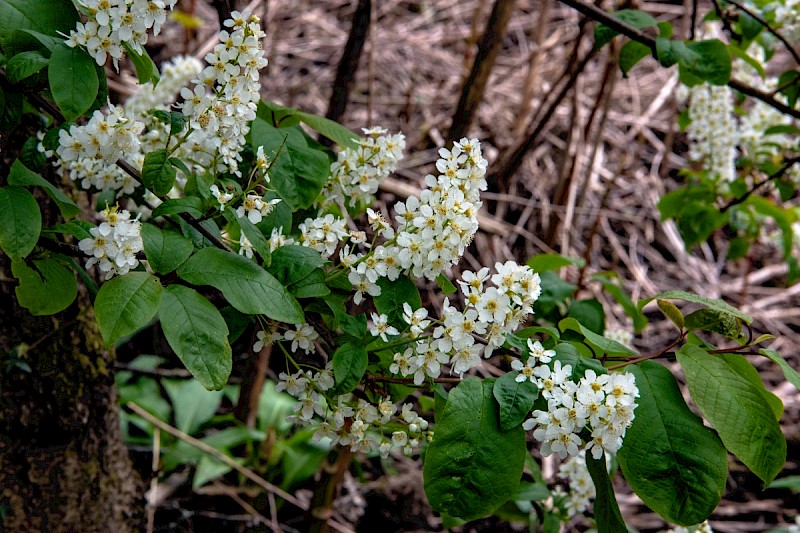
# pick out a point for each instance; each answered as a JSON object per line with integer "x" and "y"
{"x": 165, "y": 250}
{"x": 146, "y": 70}
{"x": 607, "y": 517}
{"x": 670, "y": 459}
{"x": 349, "y": 365}
{"x": 293, "y": 263}
{"x": 463, "y": 476}
{"x": 125, "y": 304}
{"x": 46, "y": 287}
{"x": 599, "y": 344}
{"x": 198, "y": 334}
{"x": 173, "y": 206}
{"x": 672, "y": 312}
{"x": 633, "y": 17}
{"x": 542, "y": 262}
{"x": 192, "y": 404}
{"x": 729, "y": 393}
{"x": 393, "y": 295}
{"x": 73, "y": 80}
{"x": 174, "y": 119}
{"x": 698, "y": 61}
{"x": 631, "y": 53}
{"x": 45, "y": 16}
{"x": 285, "y": 117}
{"x": 20, "y": 222}
{"x": 25, "y": 64}
{"x": 790, "y": 373}
{"x": 21, "y": 175}
{"x": 611, "y": 284}
{"x": 711, "y": 303}
{"x": 248, "y": 287}
{"x": 158, "y": 174}
{"x": 514, "y": 398}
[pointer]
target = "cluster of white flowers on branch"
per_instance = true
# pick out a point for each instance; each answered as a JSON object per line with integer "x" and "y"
{"x": 114, "y": 243}
{"x": 114, "y": 22}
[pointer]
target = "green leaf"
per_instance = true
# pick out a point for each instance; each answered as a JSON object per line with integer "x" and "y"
{"x": 176, "y": 122}
{"x": 298, "y": 172}
{"x": 73, "y": 80}
{"x": 672, "y": 312}
{"x": 125, "y": 304}
{"x": 193, "y": 405}
{"x": 554, "y": 291}
{"x": 698, "y": 61}
{"x": 589, "y": 313}
{"x": 735, "y": 51}
{"x": 292, "y": 263}
{"x": 607, "y": 517}
{"x": 190, "y": 204}
{"x": 472, "y": 467}
{"x": 158, "y": 174}
{"x": 25, "y": 64}
{"x": 248, "y": 287}
{"x": 352, "y": 325}
{"x": 670, "y": 459}
{"x": 77, "y": 228}
{"x": 20, "y": 221}
{"x": 47, "y": 288}
{"x": 146, "y": 70}
{"x": 445, "y": 284}
{"x": 392, "y": 297}
{"x": 790, "y": 373}
{"x": 714, "y": 321}
{"x": 22, "y": 175}
{"x": 256, "y": 238}
{"x": 736, "y": 407}
{"x": 711, "y": 303}
{"x": 609, "y": 280}
{"x": 631, "y": 53}
{"x": 45, "y": 16}
{"x": 599, "y": 344}
{"x": 788, "y": 482}
{"x": 789, "y": 81}
{"x": 638, "y": 19}
{"x": 330, "y": 129}
{"x": 311, "y": 286}
{"x": 197, "y": 333}
{"x": 514, "y": 398}
{"x": 543, "y": 262}
{"x": 350, "y": 362}
{"x": 165, "y": 250}
{"x": 782, "y": 217}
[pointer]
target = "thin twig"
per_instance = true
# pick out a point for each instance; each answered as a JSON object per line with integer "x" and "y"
{"x": 789, "y": 163}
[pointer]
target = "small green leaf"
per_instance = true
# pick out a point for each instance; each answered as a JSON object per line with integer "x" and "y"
{"x": 610, "y": 282}
{"x": 257, "y": 239}
{"x": 77, "y": 228}
{"x": 47, "y": 288}
{"x": 330, "y": 129}
{"x": 514, "y": 398}
{"x": 158, "y": 174}
{"x": 711, "y": 303}
{"x": 25, "y": 64}
{"x": 445, "y": 284}
{"x": 146, "y": 70}
{"x": 736, "y": 407}
{"x": 349, "y": 364}
{"x": 198, "y": 334}
{"x": 631, "y": 53}
{"x": 554, "y": 291}
{"x": 607, "y": 517}
{"x": 22, "y": 175}
{"x": 638, "y": 19}
{"x": 392, "y": 297}
{"x": 20, "y": 221}
{"x": 472, "y": 467}
{"x": 543, "y": 262}
{"x": 125, "y": 304}
{"x": 73, "y": 80}
{"x": 194, "y": 405}
{"x": 698, "y": 61}
{"x": 714, "y": 321}
{"x": 189, "y": 204}
{"x": 672, "y": 312}
{"x": 46, "y": 16}
{"x": 589, "y": 313}
{"x": 174, "y": 119}
{"x": 165, "y": 250}
{"x": 248, "y": 287}
{"x": 790, "y": 373}
{"x": 311, "y": 286}
{"x": 671, "y": 460}
{"x": 600, "y": 344}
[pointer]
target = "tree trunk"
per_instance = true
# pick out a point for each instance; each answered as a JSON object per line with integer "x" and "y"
{"x": 63, "y": 464}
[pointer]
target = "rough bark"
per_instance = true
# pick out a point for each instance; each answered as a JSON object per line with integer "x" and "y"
{"x": 63, "y": 464}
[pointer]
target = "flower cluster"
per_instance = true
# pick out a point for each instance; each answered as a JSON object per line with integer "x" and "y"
{"x": 491, "y": 312}
{"x": 323, "y": 233}
{"x": 356, "y": 174}
{"x": 114, "y": 243}
{"x": 581, "y": 487}
{"x": 105, "y": 137}
{"x": 220, "y": 118}
{"x": 712, "y": 131}
{"x": 114, "y": 22}
{"x": 603, "y": 404}
{"x": 175, "y": 74}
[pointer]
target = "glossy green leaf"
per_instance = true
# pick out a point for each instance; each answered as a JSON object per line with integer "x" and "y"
{"x": 80, "y": 229}
{"x": 514, "y": 398}
{"x": 22, "y": 175}
{"x": 600, "y": 344}
{"x": 165, "y": 250}
{"x": 146, "y": 70}
{"x": 46, "y": 288}
{"x": 158, "y": 174}
{"x": 349, "y": 364}
{"x": 257, "y": 239}
{"x": 472, "y": 467}
{"x": 197, "y": 333}
{"x": 190, "y": 204}
{"x": 589, "y": 313}
{"x": 24, "y": 65}
{"x": 711, "y": 303}
{"x": 73, "y": 80}
{"x": 248, "y": 287}
{"x": 20, "y": 221}
{"x": 714, "y": 321}
{"x": 698, "y": 61}
{"x": 176, "y": 122}
{"x": 543, "y": 262}
{"x": 45, "y": 16}
{"x": 125, "y": 304}
{"x": 330, "y": 129}
{"x": 670, "y": 459}
{"x": 292, "y": 263}
{"x": 736, "y": 406}
{"x": 607, "y": 516}
{"x": 392, "y": 297}
{"x": 311, "y": 286}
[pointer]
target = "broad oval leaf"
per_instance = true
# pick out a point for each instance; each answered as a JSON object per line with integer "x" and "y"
{"x": 73, "y": 80}
{"x": 46, "y": 16}
{"x": 737, "y": 407}
{"x": 515, "y": 399}
{"x": 126, "y": 303}
{"x": 165, "y": 250}
{"x": 670, "y": 459}
{"x": 25, "y": 64}
{"x": 248, "y": 287}
{"x": 47, "y": 288}
{"x": 197, "y": 333}
{"x": 22, "y": 175}
{"x": 472, "y": 467}
{"x": 20, "y": 221}
{"x": 349, "y": 364}
{"x": 158, "y": 174}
